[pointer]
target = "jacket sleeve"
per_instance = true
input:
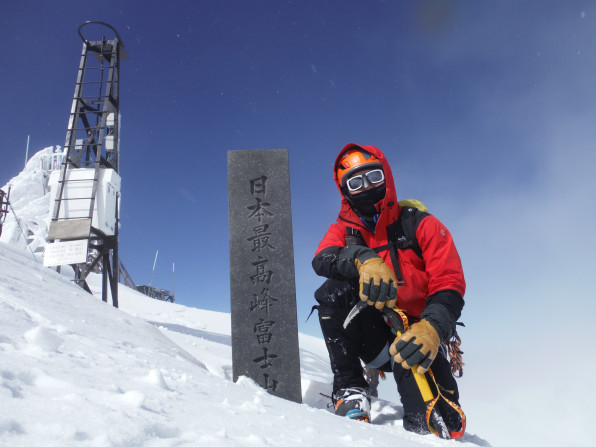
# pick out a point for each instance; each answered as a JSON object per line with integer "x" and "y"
{"x": 333, "y": 259}
{"x": 446, "y": 283}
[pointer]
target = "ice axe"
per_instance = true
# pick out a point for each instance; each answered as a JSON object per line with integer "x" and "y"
{"x": 358, "y": 307}
{"x": 438, "y": 424}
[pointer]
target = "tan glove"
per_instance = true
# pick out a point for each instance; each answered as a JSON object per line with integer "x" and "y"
{"x": 378, "y": 285}
{"x": 418, "y": 346}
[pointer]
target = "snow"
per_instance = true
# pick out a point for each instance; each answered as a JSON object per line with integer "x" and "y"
{"x": 29, "y": 198}
{"x": 77, "y": 371}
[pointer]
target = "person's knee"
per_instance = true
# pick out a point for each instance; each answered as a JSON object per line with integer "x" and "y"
{"x": 331, "y": 318}
{"x": 337, "y": 293}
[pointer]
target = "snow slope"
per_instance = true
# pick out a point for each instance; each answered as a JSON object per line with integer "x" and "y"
{"x": 77, "y": 371}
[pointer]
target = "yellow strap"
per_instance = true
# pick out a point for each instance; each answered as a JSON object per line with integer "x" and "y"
{"x": 429, "y": 409}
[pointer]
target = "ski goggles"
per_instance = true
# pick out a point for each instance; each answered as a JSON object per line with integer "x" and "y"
{"x": 365, "y": 179}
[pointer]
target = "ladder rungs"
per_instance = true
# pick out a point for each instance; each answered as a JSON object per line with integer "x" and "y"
{"x": 90, "y": 111}
{"x": 82, "y": 128}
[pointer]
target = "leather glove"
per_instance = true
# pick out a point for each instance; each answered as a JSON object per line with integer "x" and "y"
{"x": 378, "y": 284}
{"x": 417, "y": 346}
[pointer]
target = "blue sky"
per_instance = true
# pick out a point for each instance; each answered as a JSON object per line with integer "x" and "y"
{"x": 486, "y": 111}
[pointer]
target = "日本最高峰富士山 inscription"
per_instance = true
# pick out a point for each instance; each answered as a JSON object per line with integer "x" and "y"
{"x": 262, "y": 282}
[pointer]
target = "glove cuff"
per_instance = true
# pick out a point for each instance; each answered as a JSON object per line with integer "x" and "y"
{"x": 349, "y": 255}
{"x": 442, "y": 310}
{"x": 365, "y": 254}
{"x": 440, "y": 319}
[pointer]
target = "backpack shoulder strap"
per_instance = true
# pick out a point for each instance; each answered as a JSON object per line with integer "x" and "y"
{"x": 401, "y": 234}
{"x": 403, "y": 231}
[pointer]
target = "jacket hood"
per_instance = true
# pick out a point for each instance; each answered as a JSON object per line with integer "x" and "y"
{"x": 389, "y": 205}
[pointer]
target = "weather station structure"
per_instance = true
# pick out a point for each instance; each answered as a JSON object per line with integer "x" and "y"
{"x": 85, "y": 191}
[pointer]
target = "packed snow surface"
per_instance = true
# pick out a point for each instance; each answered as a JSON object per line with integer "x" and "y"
{"x": 77, "y": 371}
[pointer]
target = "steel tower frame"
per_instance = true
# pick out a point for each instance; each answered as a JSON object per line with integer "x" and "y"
{"x": 92, "y": 141}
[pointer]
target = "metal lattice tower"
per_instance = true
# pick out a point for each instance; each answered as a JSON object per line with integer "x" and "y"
{"x": 86, "y": 190}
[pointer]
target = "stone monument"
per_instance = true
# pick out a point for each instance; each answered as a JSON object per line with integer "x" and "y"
{"x": 262, "y": 281}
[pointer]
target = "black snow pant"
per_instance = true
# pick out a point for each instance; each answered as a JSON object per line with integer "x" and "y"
{"x": 366, "y": 340}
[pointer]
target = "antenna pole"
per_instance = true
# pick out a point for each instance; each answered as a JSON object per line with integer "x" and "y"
{"x": 154, "y": 262}
{"x": 27, "y": 151}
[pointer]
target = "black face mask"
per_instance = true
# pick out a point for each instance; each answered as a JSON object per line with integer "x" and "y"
{"x": 364, "y": 203}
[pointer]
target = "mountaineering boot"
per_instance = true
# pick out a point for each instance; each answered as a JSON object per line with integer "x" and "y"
{"x": 353, "y": 403}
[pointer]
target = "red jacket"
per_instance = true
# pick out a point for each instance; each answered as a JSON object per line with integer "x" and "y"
{"x": 440, "y": 267}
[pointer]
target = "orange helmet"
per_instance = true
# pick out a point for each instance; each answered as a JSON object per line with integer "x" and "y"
{"x": 353, "y": 160}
